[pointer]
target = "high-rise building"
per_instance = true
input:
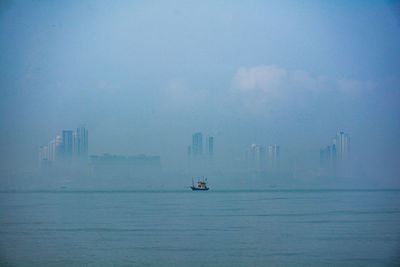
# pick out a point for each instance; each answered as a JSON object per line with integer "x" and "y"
{"x": 197, "y": 144}
{"x": 256, "y": 156}
{"x": 80, "y": 142}
{"x": 210, "y": 146}
{"x": 43, "y": 153}
{"x": 342, "y": 145}
{"x": 273, "y": 156}
{"x": 51, "y": 151}
{"x": 333, "y": 158}
{"x": 270, "y": 157}
{"x": 70, "y": 145}
{"x": 67, "y": 144}
{"x": 346, "y": 147}
{"x": 325, "y": 157}
{"x": 276, "y": 156}
{"x": 54, "y": 147}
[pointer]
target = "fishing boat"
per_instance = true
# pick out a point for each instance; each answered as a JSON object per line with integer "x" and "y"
{"x": 201, "y": 185}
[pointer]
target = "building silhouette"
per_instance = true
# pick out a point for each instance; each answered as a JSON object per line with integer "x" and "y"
{"x": 197, "y": 144}
{"x": 342, "y": 142}
{"x": 67, "y": 146}
{"x": 274, "y": 156}
{"x": 80, "y": 142}
{"x": 262, "y": 157}
{"x": 210, "y": 146}
{"x": 337, "y": 155}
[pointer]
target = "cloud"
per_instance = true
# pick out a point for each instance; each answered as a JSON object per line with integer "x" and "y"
{"x": 262, "y": 88}
{"x": 269, "y": 79}
{"x": 274, "y": 81}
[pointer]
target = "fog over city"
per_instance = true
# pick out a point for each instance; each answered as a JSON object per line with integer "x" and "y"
{"x": 199, "y": 133}
{"x": 291, "y": 94}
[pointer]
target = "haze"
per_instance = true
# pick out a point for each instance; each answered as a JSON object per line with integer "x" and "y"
{"x": 144, "y": 77}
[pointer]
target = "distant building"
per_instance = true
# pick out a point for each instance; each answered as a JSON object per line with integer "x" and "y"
{"x": 332, "y": 157}
{"x": 55, "y": 147}
{"x": 210, "y": 146}
{"x": 342, "y": 142}
{"x": 325, "y": 157}
{"x": 274, "y": 156}
{"x": 43, "y": 153}
{"x": 67, "y": 146}
{"x": 197, "y": 144}
{"x": 256, "y": 156}
{"x": 80, "y": 142}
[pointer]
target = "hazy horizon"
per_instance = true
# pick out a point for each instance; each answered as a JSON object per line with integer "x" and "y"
{"x": 143, "y": 77}
{"x": 199, "y": 133}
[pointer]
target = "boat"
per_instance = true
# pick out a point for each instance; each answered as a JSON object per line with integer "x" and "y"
{"x": 201, "y": 185}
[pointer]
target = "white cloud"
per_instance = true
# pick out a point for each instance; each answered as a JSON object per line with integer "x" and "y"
{"x": 269, "y": 79}
{"x": 274, "y": 81}
{"x": 264, "y": 87}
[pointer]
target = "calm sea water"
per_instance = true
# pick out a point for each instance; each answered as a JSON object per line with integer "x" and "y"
{"x": 215, "y": 228}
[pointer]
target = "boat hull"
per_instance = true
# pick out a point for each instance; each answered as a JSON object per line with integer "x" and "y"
{"x": 199, "y": 189}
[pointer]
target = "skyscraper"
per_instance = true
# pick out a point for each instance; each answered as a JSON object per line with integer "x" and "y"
{"x": 80, "y": 142}
{"x": 67, "y": 141}
{"x": 342, "y": 145}
{"x": 197, "y": 144}
{"x": 277, "y": 156}
{"x": 70, "y": 145}
{"x": 334, "y": 159}
{"x": 256, "y": 156}
{"x": 210, "y": 146}
{"x": 325, "y": 157}
{"x": 273, "y": 156}
{"x": 346, "y": 147}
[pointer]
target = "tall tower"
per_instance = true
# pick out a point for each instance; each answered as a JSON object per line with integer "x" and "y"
{"x": 67, "y": 144}
{"x": 270, "y": 157}
{"x": 210, "y": 146}
{"x": 334, "y": 157}
{"x": 197, "y": 144}
{"x": 80, "y": 141}
{"x": 346, "y": 147}
{"x": 342, "y": 146}
{"x": 277, "y": 156}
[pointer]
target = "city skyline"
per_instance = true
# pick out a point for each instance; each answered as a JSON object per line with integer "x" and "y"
{"x": 292, "y": 85}
{"x": 70, "y": 145}
{"x": 259, "y": 156}
{"x": 196, "y": 149}
{"x": 336, "y": 157}
{"x": 285, "y": 114}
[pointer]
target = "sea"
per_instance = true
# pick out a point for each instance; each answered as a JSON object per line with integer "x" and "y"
{"x": 215, "y": 228}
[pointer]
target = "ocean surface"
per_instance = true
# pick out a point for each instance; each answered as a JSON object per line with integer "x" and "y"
{"x": 214, "y": 228}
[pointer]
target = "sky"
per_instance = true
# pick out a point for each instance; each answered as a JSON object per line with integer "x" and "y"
{"x": 143, "y": 76}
